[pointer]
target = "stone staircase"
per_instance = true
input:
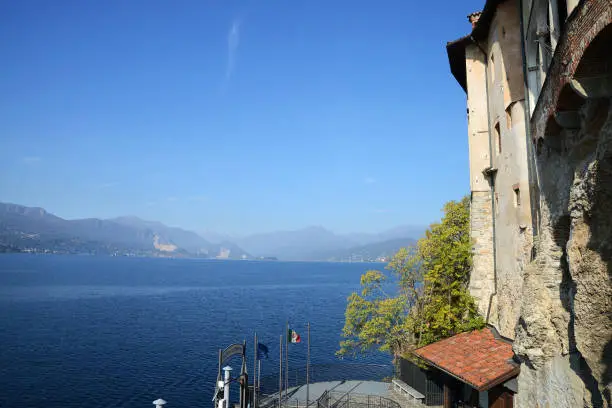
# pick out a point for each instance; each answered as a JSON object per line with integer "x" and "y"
{"x": 406, "y": 401}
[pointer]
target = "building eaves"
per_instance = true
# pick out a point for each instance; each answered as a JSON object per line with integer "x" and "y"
{"x": 456, "y": 49}
{"x": 456, "y": 59}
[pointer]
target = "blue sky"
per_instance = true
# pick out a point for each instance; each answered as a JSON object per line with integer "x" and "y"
{"x": 234, "y": 116}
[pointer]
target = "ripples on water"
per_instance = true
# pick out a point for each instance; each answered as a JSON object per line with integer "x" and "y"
{"x": 121, "y": 332}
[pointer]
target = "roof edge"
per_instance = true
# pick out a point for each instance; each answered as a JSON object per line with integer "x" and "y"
{"x": 455, "y": 51}
{"x": 502, "y": 378}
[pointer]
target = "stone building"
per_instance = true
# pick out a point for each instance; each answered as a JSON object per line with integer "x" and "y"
{"x": 487, "y": 63}
{"x": 538, "y": 79}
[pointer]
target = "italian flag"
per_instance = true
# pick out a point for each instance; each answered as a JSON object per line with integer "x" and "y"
{"x": 293, "y": 336}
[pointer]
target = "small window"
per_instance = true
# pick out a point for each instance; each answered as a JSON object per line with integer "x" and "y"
{"x": 498, "y": 138}
{"x": 492, "y": 63}
{"x": 517, "y": 195}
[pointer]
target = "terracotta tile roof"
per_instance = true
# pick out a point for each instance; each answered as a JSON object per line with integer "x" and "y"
{"x": 479, "y": 358}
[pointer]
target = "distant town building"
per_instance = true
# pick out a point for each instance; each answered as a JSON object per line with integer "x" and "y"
{"x": 224, "y": 253}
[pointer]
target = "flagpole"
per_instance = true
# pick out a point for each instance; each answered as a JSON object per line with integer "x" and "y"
{"x": 287, "y": 358}
{"x": 259, "y": 379}
{"x": 255, "y": 373}
{"x": 280, "y": 372}
{"x": 308, "y": 369}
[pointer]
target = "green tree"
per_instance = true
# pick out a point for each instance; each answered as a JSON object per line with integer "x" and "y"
{"x": 422, "y": 297}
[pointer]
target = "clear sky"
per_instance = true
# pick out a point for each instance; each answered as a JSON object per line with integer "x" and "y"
{"x": 234, "y": 116}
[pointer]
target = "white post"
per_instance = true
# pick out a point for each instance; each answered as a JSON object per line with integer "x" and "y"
{"x": 258, "y": 375}
{"x": 308, "y": 370}
{"x": 159, "y": 403}
{"x": 255, "y": 358}
{"x": 226, "y": 388}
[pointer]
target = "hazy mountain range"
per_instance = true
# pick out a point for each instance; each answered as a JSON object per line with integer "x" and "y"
{"x": 34, "y": 229}
{"x": 318, "y": 243}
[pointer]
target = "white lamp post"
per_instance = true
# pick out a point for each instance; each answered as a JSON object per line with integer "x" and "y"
{"x": 159, "y": 403}
{"x": 226, "y": 388}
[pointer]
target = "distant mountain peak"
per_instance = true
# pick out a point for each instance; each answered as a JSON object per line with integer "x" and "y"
{"x": 23, "y": 210}
{"x": 128, "y": 218}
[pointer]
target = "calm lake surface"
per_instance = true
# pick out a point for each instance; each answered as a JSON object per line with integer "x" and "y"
{"x": 81, "y": 331}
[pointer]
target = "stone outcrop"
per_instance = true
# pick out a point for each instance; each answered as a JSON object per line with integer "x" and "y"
{"x": 564, "y": 335}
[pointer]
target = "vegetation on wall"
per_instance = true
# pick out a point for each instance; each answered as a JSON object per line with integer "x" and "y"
{"x": 422, "y": 295}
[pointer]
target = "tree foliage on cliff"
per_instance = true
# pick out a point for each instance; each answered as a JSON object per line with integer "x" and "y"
{"x": 422, "y": 295}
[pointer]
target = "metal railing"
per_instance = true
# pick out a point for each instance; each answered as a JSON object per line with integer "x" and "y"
{"x": 323, "y": 401}
{"x": 332, "y": 399}
{"x": 268, "y": 396}
{"x": 336, "y": 399}
{"x": 327, "y": 372}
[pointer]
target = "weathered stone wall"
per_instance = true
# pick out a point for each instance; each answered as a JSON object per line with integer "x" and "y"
{"x": 512, "y": 232}
{"x": 482, "y": 284}
{"x": 478, "y": 128}
{"x": 564, "y": 336}
{"x": 497, "y": 142}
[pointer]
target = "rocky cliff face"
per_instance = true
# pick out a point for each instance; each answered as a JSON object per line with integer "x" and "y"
{"x": 564, "y": 334}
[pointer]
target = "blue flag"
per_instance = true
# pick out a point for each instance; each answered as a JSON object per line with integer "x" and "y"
{"x": 262, "y": 350}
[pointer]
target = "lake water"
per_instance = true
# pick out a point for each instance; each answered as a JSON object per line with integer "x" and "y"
{"x": 80, "y": 331}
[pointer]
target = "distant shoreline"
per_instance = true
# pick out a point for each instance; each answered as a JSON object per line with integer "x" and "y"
{"x": 183, "y": 257}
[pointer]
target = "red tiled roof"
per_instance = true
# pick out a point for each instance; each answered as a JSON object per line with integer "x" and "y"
{"x": 478, "y": 358}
